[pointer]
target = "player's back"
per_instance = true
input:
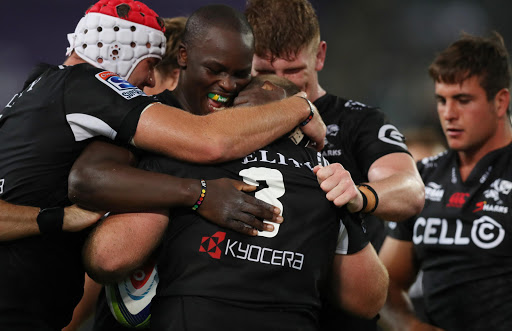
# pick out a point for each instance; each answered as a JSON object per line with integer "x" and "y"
{"x": 277, "y": 277}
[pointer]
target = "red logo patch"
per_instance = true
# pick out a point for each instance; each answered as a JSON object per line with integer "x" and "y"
{"x": 457, "y": 200}
{"x": 211, "y": 244}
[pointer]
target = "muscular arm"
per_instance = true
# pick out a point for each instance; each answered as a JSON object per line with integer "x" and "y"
{"x": 360, "y": 282}
{"x": 21, "y": 221}
{"x": 121, "y": 243}
{"x": 394, "y": 177}
{"x": 397, "y": 313}
{"x": 103, "y": 177}
{"x": 223, "y": 135}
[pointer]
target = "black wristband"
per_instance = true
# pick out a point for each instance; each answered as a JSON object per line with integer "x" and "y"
{"x": 365, "y": 198}
{"x": 50, "y": 220}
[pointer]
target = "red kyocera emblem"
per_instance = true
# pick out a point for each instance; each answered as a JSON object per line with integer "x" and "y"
{"x": 211, "y": 244}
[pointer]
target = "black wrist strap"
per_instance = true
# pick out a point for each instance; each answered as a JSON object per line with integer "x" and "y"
{"x": 50, "y": 220}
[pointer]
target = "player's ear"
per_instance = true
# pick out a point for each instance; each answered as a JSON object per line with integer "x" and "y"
{"x": 502, "y": 101}
{"x": 182, "y": 56}
{"x": 320, "y": 55}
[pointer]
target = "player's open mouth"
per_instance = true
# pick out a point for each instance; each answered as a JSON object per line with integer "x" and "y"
{"x": 217, "y": 101}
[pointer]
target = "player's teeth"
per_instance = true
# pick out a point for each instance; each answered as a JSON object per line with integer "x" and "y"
{"x": 217, "y": 97}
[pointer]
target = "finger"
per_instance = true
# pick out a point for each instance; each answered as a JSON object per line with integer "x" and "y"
{"x": 249, "y": 220}
{"x": 241, "y": 228}
{"x": 316, "y": 168}
{"x": 262, "y": 210}
{"x": 242, "y": 186}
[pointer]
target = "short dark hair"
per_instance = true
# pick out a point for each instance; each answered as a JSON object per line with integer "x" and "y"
{"x": 220, "y": 16}
{"x": 471, "y": 56}
{"x": 282, "y": 27}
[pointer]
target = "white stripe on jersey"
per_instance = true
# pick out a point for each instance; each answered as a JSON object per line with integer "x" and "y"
{"x": 87, "y": 126}
{"x": 342, "y": 244}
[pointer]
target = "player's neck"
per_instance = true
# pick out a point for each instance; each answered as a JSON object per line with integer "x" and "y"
{"x": 469, "y": 158}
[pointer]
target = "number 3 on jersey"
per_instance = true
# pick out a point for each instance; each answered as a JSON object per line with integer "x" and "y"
{"x": 270, "y": 194}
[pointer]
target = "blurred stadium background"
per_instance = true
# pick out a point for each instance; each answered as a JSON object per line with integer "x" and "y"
{"x": 377, "y": 51}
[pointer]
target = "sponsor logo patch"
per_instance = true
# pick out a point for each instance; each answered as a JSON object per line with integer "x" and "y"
{"x": 119, "y": 85}
{"x": 389, "y": 134}
{"x": 249, "y": 252}
{"x": 434, "y": 192}
{"x": 210, "y": 245}
{"x": 484, "y": 206}
{"x": 457, "y": 200}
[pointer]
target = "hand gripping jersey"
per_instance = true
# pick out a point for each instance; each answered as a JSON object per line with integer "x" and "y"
{"x": 357, "y": 135}
{"x": 43, "y": 129}
{"x": 463, "y": 242}
{"x": 283, "y": 271}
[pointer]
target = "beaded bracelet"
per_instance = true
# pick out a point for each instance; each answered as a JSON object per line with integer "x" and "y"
{"x": 369, "y": 204}
{"x": 201, "y": 197}
{"x": 311, "y": 111}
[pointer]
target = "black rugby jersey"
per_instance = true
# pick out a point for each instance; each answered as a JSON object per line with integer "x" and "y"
{"x": 284, "y": 271}
{"x": 43, "y": 129}
{"x": 463, "y": 242}
{"x": 357, "y": 135}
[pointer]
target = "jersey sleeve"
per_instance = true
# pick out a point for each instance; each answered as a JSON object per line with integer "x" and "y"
{"x": 100, "y": 103}
{"x": 352, "y": 236}
{"x": 401, "y": 230}
{"x": 375, "y": 137}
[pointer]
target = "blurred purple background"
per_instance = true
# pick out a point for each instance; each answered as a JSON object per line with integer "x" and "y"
{"x": 378, "y": 51}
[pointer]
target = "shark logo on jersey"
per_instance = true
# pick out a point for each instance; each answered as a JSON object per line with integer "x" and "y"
{"x": 332, "y": 131}
{"x": 119, "y": 85}
{"x": 498, "y": 186}
{"x": 2, "y": 185}
{"x": 389, "y": 134}
{"x": 434, "y": 192}
{"x": 355, "y": 105}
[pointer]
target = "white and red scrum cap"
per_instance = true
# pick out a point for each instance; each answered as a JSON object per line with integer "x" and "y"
{"x": 117, "y": 34}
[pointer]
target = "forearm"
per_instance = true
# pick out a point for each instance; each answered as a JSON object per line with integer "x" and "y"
{"x": 401, "y": 193}
{"x": 360, "y": 282}
{"x": 98, "y": 180}
{"x": 397, "y": 313}
{"x": 220, "y": 136}
{"x": 17, "y": 221}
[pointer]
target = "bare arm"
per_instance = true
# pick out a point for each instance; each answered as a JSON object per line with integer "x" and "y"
{"x": 394, "y": 177}
{"x": 223, "y": 135}
{"x": 103, "y": 177}
{"x": 360, "y": 282}
{"x": 398, "y": 313}
{"x": 121, "y": 243}
{"x": 87, "y": 305}
{"x": 17, "y": 221}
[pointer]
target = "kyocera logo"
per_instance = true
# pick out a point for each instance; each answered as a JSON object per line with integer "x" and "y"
{"x": 252, "y": 253}
{"x": 485, "y": 232}
{"x": 210, "y": 245}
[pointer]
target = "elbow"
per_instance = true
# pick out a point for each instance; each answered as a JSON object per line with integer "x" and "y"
{"x": 419, "y": 197}
{"x": 80, "y": 185}
{"x": 104, "y": 267}
{"x": 216, "y": 151}
{"x": 376, "y": 297}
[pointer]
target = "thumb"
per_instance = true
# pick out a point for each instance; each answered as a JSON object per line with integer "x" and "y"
{"x": 317, "y": 168}
{"x": 241, "y": 186}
